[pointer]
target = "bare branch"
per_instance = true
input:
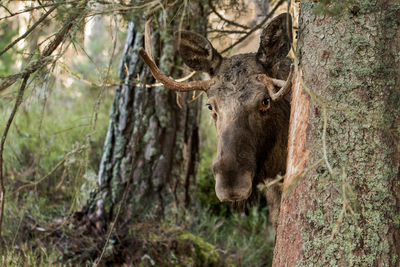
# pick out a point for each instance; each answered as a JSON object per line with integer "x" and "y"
{"x": 227, "y": 31}
{"x": 226, "y": 20}
{"x": 32, "y": 66}
{"x": 270, "y": 14}
{"x": 29, "y": 30}
{"x": 36, "y": 7}
{"x": 43, "y": 59}
{"x": 3, "y": 6}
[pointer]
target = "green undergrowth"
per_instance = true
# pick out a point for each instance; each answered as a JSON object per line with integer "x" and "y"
{"x": 26, "y": 255}
{"x": 161, "y": 244}
{"x": 200, "y": 239}
{"x": 243, "y": 240}
{"x": 51, "y": 158}
{"x": 203, "y": 239}
{"x": 49, "y": 141}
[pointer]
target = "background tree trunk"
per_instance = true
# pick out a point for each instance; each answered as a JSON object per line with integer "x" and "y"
{"x": 150, "y": 155}
{"x": 342, "y": 208}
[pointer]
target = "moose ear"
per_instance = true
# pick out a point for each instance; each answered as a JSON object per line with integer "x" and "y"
{"x": 197, "y": 52}
{"x": 275, "y": 40}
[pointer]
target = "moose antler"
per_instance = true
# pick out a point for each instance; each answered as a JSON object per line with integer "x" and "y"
{"x": 271, "y": 82}
{"x": 147, "y": 56}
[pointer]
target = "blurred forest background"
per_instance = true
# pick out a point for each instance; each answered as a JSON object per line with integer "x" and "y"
{"x": 52, "y": 154}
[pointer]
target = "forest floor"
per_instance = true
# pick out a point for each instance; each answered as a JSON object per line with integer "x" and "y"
{"x": 40, "y": 231}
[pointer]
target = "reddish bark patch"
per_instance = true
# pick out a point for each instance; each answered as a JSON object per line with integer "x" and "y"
{"x": 297, "y": 155}
{"x": 288, "y": 247}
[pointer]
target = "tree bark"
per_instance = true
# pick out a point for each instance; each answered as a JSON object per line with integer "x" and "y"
{"x": 150, "y": 156}
{"x": 341, "y": 201}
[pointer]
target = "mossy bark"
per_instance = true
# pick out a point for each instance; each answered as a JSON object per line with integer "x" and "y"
{"x": 150, "y": 156}
{"x": 341, "y": 204}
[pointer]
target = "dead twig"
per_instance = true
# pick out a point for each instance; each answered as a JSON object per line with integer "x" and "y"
{"x": 228, "y": 31}
{"x": 225, "y": 19}
{"x": 3, "y": 6}
{"x": 29, "y": 69}
{"x": 34, "y": 66}
{"x": 34, "y": 8}
{"x": 29, "y": 30}
{"x": 258, "y": 26}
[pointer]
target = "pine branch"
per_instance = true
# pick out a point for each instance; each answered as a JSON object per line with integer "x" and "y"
{"x": 29, "y": 30}
{"x": 59, "y": 38}
{"x": 34, "y": 66}
{"x": 29, "y": 69}
{"x": 34, "y": 8}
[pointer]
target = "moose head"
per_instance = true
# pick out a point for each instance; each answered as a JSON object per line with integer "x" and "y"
{"x": 246, "y": 99}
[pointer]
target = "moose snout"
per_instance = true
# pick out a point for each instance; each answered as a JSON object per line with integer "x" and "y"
{"x": 233, "y": 166}
{"x": 233, "y": 187}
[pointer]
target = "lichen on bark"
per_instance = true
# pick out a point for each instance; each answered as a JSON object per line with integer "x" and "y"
{"x": 350, "y": 62}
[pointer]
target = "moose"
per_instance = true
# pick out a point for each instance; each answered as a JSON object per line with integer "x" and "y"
{"x": 251, "y": 115}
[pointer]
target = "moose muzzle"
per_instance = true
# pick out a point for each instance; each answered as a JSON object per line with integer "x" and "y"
{"x": 234, "y": 186}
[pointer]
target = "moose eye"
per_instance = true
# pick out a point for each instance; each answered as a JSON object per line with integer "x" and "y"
{"x": 209, "y": 107}
{"x": 265, "y": 104}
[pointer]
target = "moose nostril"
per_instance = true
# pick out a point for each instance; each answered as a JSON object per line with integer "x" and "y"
{"x": 233, "y": 187}
{"x": 224, "y": 196}
{"x": 235, "y": 197}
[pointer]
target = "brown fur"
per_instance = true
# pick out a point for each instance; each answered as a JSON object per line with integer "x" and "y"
{"x": 252, "y": 137}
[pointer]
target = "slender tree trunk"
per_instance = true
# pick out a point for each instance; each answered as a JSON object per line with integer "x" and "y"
{"x": 341, "y": 202}
{"x": 150, "y": 155}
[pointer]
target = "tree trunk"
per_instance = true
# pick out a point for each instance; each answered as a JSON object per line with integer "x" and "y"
{"x": 341, "y": 202}
{"x": 150, "y": 155}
